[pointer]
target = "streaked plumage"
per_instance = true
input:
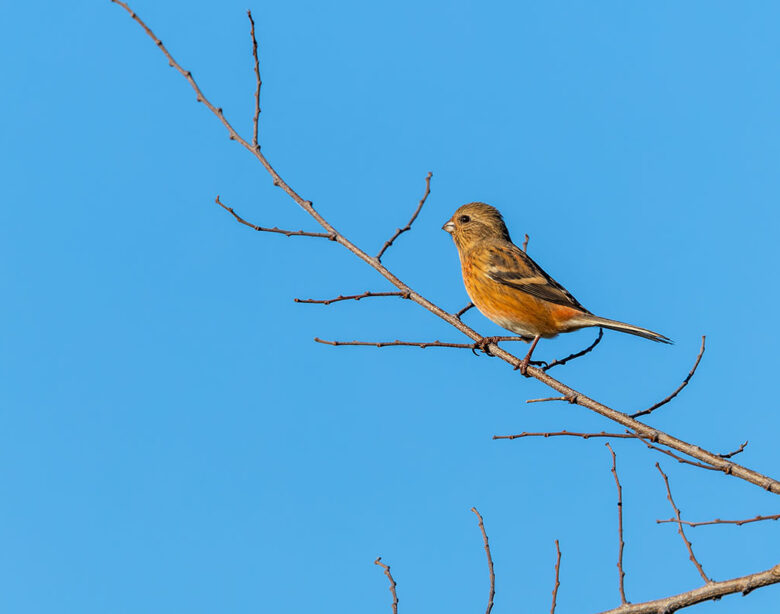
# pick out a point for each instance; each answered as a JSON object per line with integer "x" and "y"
{"x": 510, "y": 289}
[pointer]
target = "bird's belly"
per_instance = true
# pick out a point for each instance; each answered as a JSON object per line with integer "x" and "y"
{"x": 518, "y": 311}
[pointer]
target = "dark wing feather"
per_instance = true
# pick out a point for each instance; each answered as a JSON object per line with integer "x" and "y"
{"x": 512, "y": 267}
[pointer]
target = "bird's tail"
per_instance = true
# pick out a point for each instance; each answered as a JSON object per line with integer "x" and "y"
{"x": 591, "y": 320}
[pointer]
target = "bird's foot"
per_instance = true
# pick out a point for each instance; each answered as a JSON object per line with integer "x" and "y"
{"x": 483, "y": 344}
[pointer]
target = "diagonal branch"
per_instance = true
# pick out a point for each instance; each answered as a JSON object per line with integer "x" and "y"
{"x": 489, "y": 561}
{"x": 557, "y": 576}
{"x": 710, "y": 591}
{"x": 621, "y": 573}
{"x": 392, "y": 582}
{"x": 288, "y": 233}
{"x": 739, "y": 523}
{"x": 353, "y": 297}
{"x": 259, "y": 81}
{"x": 679, "y": 527}
{"x": 650, "y": 410}
{"x": 399, "y": 231}
{"x": 655, "y": 435}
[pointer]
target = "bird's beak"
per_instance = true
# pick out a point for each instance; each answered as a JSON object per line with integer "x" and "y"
{"x": 449, "y": 227}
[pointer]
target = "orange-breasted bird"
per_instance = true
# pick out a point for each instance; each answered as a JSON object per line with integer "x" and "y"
{"x": 510, "y": 289}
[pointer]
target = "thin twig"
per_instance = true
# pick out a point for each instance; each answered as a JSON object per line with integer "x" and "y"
{"x": 563, "y": 361}
{"x": 739, "y": 450}
{"x": 739, "y": 523}
{"x": 288, "y": 233}
{"x": 525, "y": 243}
{"x": 257, "y": 79}
{"x": 545, "y": 399}
{"x": 651, "y": 409}
{"x": 625, "y": 435}
{"x": 392, "y": 582}
{"x": 557, "y": 574}
{"x": 419, "y": 344}
{"x": 399, "y": 231}
{"x": 568, "y": 434}
{"x": 353, "y": 297}
{"x": 680, "y": 528}
{"x": 621, "y": 573}
{"x": 679, "y": 459}
{"x": 724, "y": 465}
{"x": 489, "y": 560}
{"x": 464, "y": 310}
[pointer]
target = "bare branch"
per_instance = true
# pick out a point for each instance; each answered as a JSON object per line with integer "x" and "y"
{"x": 392, "y": 582}
{"x": 679, "y": 459}
{"x": 525, "y": 243}
{"x": 419, "y": 344}
{"x": 400, "y": 231}
{"x": 679, "y": 526}
{"x": 256, "y": 120}
{"x": 353, "y": 297}
{"x": 563, "y": 361}
{"x": 739, "y": 523}
{"x": 489, "y": 560}
{"x": 557, "y": 574}
{"x": 288, "y": 233}
{"x": 625, "y": 435}
{"x": 464, "y": 310}
{"x": 650, "y": 410}
{"x": 655, "y": 435}
{"x": 566, "y": 433}
{"x": 710, "y": 591}
{"x": 621, "y": 573}
{"x": 545, "y": 399}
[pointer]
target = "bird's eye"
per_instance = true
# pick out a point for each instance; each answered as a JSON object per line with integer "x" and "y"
{"x": 464, "y": 218}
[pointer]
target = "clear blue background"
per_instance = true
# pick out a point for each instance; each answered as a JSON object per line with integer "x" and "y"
{"x": 171, "y": 439}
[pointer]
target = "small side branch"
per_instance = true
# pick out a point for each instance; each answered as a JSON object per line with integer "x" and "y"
{"x": 287, "y": 233}
{"x": 621, "y": 573}
{"x": 259, "y": 81}
{"x": 399, "y": 231}
{"x": 525, "y": 243}
{"x": 557, "y": 574}
{"x": 566, "y": 433}
{"x": 352, "y": 297}
{"x": 419, "y": 344}
{"x": 663, "y": 402}
{"x": 464, "y": 310}
{"x": 625, "y": 435}
{"x": 489, "y": 560}
{"x": 739, "y": 450}
{"x": 392, "y": 582}
{"x": 588, "y": 349}
{"x": 739, "y": 523}
{"x": 680, "y": 528}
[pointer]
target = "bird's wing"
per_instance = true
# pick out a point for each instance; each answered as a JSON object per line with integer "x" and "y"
{"x": 512, "y": 267}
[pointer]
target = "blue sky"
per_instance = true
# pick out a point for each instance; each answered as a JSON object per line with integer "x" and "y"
{"x": 173, "y": 440}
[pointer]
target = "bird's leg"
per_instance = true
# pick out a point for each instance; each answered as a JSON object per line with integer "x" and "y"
{"x": 523, "y": 366}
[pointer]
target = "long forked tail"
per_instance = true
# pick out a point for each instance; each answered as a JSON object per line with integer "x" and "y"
{"x": 625, "y": 328}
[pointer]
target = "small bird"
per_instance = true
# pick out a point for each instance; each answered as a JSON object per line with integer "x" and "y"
{"x": 510, "y": 289}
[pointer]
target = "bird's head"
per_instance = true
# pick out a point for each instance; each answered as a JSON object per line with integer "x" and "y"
{"x": 476, "y": 222}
